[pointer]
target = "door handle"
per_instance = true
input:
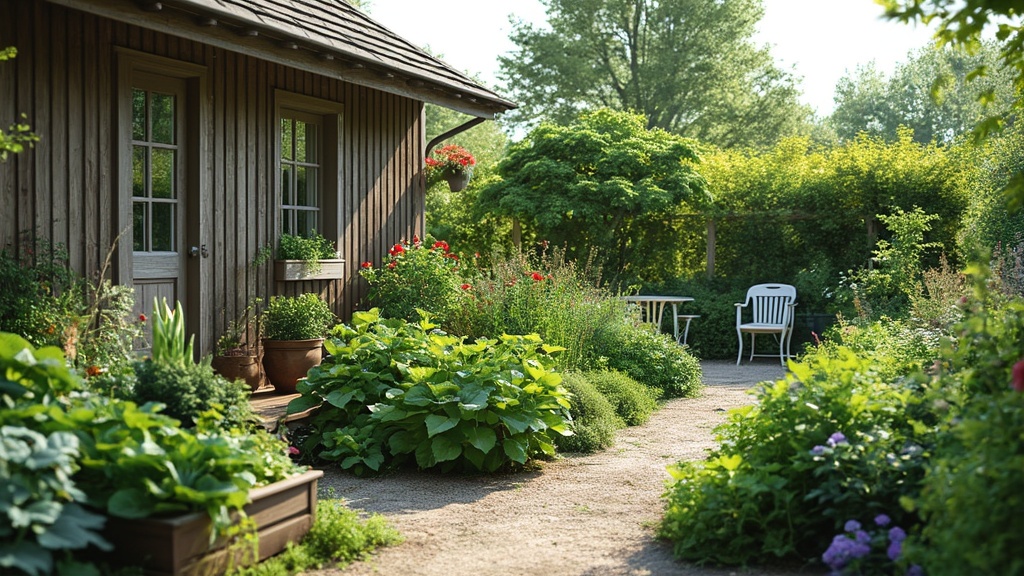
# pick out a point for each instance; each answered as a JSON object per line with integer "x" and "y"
{"x": 197, "y": 250}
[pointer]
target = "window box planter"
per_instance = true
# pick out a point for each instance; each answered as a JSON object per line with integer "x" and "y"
{"x": 180, "y": 545}
{"x": 298, "y": 270}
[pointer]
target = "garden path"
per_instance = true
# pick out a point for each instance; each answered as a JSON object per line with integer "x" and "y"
{"x": 578, "y": 515}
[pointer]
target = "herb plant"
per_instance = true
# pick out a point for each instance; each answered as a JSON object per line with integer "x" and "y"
{"x": 310, "y": 249}
{"x": 393, "y": 392}
{"x": 594, "y": 421}
{"x": 302, "y": 317}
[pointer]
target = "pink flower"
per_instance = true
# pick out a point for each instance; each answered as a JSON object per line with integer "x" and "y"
{"x": 293, "y": 451}
{"x": 1018, "y": 376}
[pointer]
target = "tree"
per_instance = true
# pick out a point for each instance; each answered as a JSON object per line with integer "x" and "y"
{"x": 17, "y": 135}
{"x": 606, "y": 182}
{"x": 687, "y": 65}
{"x": 930, "y": 94}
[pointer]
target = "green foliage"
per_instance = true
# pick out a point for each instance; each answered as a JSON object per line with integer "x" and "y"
{"x": 416, "y": 277}
{"x": 338, "y": 537}
{"x": 649, "y": 357}
{"x": 185, "y": 391}
{"x": 594, "y": 421}
{"x": 393, "y": 392}
{"x": 603, "y": 182}
{"x": 111, "y": 454}
{"x": 546, "y": 294}
{"x": 302, "y": 317}
{"x": 832, "y": 441}
{"x": 309, "y": 248}
{"x": 169, "y": 346}
{"x": 934, "y": 93}
{"x": 633, "y": 401}
{"x": 688, "y": 66}
{"x": 989, "y": 223}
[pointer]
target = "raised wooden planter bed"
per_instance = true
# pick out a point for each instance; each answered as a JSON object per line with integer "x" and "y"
{"x": 180, "y": 545}
{"x": 298, "y": 270}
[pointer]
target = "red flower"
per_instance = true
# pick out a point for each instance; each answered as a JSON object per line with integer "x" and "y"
{"x": 452, "y": 256}
{"x": 93, "y": 371}
{"x": 391, "y": 264}
{"x": 367, "y": 265}
{"x": 293, "y": 451}
{"x": 416, "y": 239}
{"x": 142, "y": 317}
{"x": 440, "y": 244}
{"x": 1018, "y": 376}
{"x": 465, "y": 286}
{"x": 536, "y": 276}
{"x": 396, "y": 250}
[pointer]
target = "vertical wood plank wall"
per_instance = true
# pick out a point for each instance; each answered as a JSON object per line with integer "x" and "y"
{"x": 64, "y": 80}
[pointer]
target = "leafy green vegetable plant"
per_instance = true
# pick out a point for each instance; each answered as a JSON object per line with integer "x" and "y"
{"x": 393, "y": 392}
{"x": 302, "y": 317}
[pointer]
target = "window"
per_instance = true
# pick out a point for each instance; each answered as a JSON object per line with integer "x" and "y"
{"x": 155, "y": 171}
{"x": 301, "y": 165}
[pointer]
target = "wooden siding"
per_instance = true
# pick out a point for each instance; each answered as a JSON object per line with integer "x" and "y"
{"x": 65, "y": 80}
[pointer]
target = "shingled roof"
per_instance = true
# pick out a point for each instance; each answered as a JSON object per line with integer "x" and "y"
{"x": 324, "y": 36}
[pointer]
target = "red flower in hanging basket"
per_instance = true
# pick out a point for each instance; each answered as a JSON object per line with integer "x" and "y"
{"x": 451, "y": 159}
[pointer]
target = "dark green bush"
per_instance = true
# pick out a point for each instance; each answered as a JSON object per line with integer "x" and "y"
{"x": 594, "y": 421}
{"x": 649, "y": 357}
{"x": 633, "y": 401}
{"x": 188, "y": 390}
{"x": 833, "y": 441}
{"x": 392, "y": 392}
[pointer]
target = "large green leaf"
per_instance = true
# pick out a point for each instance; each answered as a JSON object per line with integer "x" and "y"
{"x": 437, "y": 424}
{"x": 340, "y": 397}
{"x": 28, "y": 556}
{"x": 444, "y": 449}
{"x": 76, "y": 528}
{"x": 517, "y": 422}
{"x": 130, "y": 503}
{"x": 515, "y": 449}
{"x": 481, "y": 438}
{"x": 303, "y": 403}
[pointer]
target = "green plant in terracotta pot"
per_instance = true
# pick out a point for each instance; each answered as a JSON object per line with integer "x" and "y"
{"x": 294, "y": 329}
{"x": 237, "y": 355}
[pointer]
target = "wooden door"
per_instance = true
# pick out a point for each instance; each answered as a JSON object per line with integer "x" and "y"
{"x": 159, "y": 194}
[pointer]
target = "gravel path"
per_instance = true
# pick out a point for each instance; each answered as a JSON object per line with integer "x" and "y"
{"x": 577, "y": 515}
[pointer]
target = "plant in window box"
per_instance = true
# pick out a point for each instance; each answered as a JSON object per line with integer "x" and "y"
{"x": 452, "y": 163}
{"x": 237, "y": 356}
{"x": 311, "y": 257}
{"x": 294, "y": 329}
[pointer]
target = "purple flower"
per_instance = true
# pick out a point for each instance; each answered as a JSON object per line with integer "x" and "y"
{"x": 894, "y": 550}
{"x": 851, "y": 526}
{"x": 862, "y": 537}
{"x": 896, "y": 534}
{"x": 836, "y": 439}
{"x": 817, "y": 450}
{"x": 915, "y": 570}
{"x": 882, "y": 520}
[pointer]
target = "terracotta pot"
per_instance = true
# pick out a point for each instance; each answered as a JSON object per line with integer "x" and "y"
{"x": 285, "y": 361}
{"x": 243, "y": 367}
{"x": 457, "y": 181}
{"x": 180, "y": 545}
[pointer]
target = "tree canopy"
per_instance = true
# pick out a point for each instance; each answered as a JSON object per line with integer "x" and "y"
{"x": 930, "y": 94}
{"x": 689, "y": 66}
{"x": 604, "y": 181}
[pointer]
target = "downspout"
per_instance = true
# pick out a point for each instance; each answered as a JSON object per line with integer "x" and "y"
{"x": 457, "y": 130}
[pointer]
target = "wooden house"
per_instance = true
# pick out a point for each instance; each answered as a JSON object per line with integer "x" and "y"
{"x": 189, "y": 134}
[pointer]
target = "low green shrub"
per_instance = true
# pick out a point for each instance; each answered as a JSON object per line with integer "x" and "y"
{"x": 337, "y": 538}
{"x": 633, "y": 401}
{"x": 594, "y": 421}
{"x": 188, "y": 390}
{"x": 832, "y": 441}
{"x": 393, "y": 392}
{"x": 649, "y": 357}
{"x": 302, "y": 317}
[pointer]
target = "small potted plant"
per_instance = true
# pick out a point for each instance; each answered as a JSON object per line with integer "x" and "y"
{"x": 237, "y": 354}
{"x": 294, "y": 329}
{"x": 311, "y": 257}
{"x": 452, "y": 163}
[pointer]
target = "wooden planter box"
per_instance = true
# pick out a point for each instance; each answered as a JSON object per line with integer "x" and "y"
{"x": 180, "y": 545}
{"x": 297, "y": 270}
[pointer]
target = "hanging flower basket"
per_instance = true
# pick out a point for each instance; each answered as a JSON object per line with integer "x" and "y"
{"x": 457, "y": 181}
{"x": 452, "y": 163}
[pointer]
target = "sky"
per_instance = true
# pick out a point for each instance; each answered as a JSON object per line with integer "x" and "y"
{"x": 818, "y": 40}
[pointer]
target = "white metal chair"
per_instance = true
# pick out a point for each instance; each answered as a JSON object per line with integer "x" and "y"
{"x": 772, "y": 313}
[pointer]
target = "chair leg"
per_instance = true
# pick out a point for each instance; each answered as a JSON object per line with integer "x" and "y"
{"x": 753, "y": 346}
{"x": 739, "y": 355}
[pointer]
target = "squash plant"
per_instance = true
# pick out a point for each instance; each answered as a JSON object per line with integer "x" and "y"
{"x": 394, "y": 392}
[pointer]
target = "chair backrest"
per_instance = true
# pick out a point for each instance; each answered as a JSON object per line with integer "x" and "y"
{"x": 772, "y": 303}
